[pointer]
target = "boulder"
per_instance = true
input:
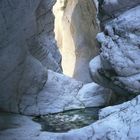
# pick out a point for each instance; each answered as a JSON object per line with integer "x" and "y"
{"x": 119, "y": 67}
{"x": 61, "y": 93}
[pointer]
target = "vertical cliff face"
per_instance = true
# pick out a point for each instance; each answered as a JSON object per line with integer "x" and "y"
{"x": 27, "y": 49}
{"x": 42, "y": 44}
{"x": 75, "y": 29}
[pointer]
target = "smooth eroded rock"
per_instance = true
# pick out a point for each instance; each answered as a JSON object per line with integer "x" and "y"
{"x": 62, "y": 93}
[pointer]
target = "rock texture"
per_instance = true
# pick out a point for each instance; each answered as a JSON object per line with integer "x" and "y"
{"x": 76, "y": 28}
{"x": 115, "y": 123}
{"x": 62, "y": 93}
{"x": 25, "y": 57}
{"x": 109, "y": 9}
{"x": 118, "y": 66}
{"x": 42, "y": 44}
{"x": 27, "y": 48}
{"x": 19, "y": 71}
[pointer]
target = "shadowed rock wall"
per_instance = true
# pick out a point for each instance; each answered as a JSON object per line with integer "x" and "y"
{"x": 27, "y": 49}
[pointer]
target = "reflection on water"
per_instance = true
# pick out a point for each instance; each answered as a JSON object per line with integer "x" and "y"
{"x": 68, "y": 120}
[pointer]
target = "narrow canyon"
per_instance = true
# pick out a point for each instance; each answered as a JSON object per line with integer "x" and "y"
{"x": 75, "y": 30}
{"x": 69, "y": 70}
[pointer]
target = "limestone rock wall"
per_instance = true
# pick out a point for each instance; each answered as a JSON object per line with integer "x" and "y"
{"x": 27, "y": 49}
{"x": 26, "y": 31}
{"x": 42, "y": 44}
{"x": 76, "y": 28}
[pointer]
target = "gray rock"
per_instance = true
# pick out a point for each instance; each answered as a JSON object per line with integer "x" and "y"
{"x": 119, "y": 58}
{"x": 24, "y": 56}
{"x": 112, "y": 8}
{"x": 115, "y": 123}
{"x": 62, "y": 93}
{"x": 27, "y": 48}
{"x": 102, "y": 77}
{"x": 42, "y": 44}
{"x": 93, "y": 95}
{"x": 17, "y": 24}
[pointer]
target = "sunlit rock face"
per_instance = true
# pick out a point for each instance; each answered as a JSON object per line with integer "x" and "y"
{"x": 26, "y": 38}
{"x": 75, "y": 31}
{"x": 28, "y": 48}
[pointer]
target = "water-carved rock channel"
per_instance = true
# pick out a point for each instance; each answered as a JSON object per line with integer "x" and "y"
{"x": 65, "y": 121}
{"x": 69, "y": 70}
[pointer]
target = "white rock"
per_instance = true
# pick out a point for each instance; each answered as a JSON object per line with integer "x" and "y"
{"x": 22, "y": 53}
{"x": 119, "y": 61}
{"x": 93, "y": 95}
{"x": 63, "y": 93}
{"x": 115, "y": 123}
{"x": 113, "y": 8}
{"x": 74, "y": 28}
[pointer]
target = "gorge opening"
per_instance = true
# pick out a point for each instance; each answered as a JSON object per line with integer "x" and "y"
{"x": 75, "y": 32}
